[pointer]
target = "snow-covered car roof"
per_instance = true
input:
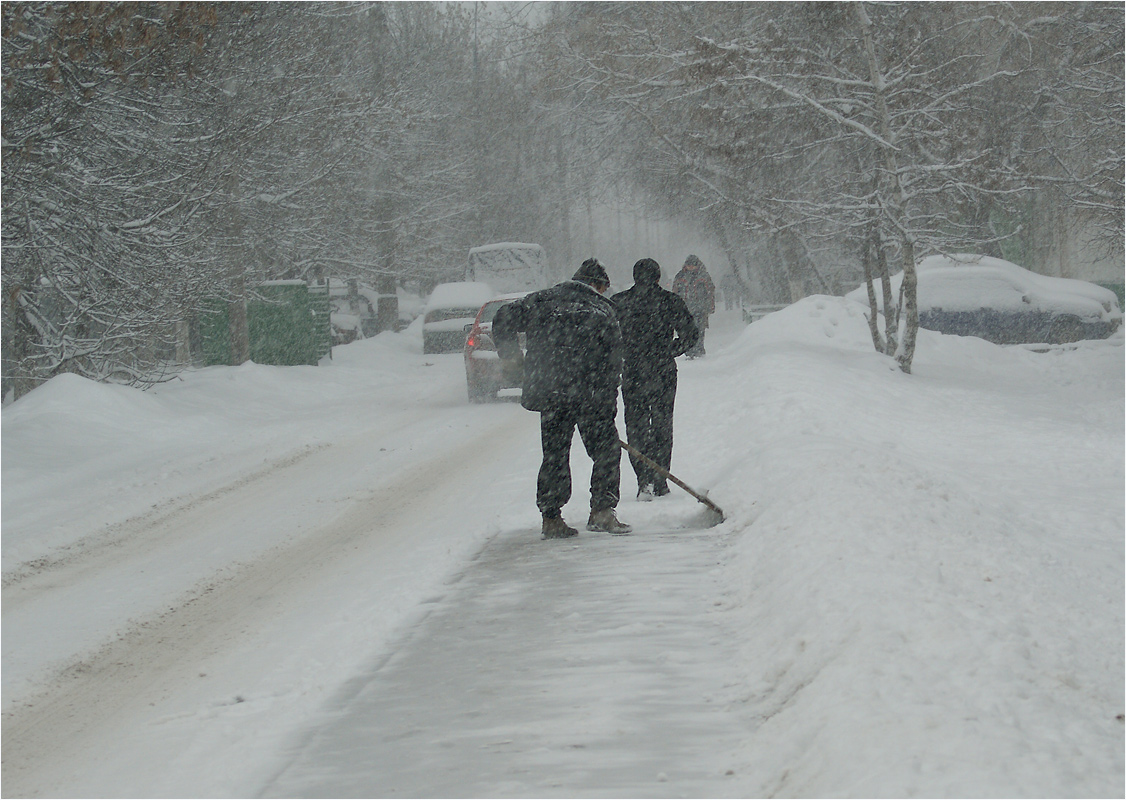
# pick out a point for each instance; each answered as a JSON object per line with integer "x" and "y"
{"x": 462, "y": 294}
{"x": 971, "y": 282}
{"x": 509, "y": 296}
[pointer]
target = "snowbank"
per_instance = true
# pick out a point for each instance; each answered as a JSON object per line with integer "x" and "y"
{"x": 930, "y": 567}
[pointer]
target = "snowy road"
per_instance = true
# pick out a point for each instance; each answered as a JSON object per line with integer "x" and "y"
{"x": 208, "y": 612}
{"x": 328, "y": 581}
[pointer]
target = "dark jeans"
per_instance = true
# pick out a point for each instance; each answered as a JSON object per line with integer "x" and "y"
{"x": 648, "y": 410}
{"x": 600, "y": 437}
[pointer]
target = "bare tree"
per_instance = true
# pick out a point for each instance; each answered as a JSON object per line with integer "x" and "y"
{"x": 158, "y": 157}
{"x": 863, "y": 129}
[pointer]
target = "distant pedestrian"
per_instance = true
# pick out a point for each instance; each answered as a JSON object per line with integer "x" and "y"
{"x": 571, "y": 374}
{"x": 656, "y": 328}
{"x": 694, "y": 285}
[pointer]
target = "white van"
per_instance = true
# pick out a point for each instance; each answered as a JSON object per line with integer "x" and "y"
{"x": 509, "y": 267}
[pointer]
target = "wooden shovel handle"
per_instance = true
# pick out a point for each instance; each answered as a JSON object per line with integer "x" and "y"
{"x": 633, "y": 451}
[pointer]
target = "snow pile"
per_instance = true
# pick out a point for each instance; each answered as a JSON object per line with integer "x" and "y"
{"x": 930, "y": 567}
{"x": 78, "y": 455}
{"x": 410, "y": 304}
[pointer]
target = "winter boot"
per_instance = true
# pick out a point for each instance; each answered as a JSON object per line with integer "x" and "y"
{"x": 645, "y": 493}
{"x": 556, "y": 528}
{"x": 606, "y": 521}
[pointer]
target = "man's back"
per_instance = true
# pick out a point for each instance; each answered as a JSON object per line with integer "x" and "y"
{"x": 574, "y": 345}
{"x": 649, "y": 316}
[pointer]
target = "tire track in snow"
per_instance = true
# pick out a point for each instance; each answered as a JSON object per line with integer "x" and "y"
{"x": 47, "y": 735}
{"x": 90, "y": 552}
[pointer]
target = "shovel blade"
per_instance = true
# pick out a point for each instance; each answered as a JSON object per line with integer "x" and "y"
{"x": 713, "y": 514}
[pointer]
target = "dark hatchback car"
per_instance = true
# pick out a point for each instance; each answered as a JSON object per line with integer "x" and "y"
{"x": 484, "y": 376}
{"x": 1002, "y": 303}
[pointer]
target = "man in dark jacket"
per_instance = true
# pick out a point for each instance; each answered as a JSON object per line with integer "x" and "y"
{"x": 650, "y": 318}
{"x": 571, "y": 375}
{"x": 695, "y": 286}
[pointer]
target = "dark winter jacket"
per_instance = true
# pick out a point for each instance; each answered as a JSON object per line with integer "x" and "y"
{"x": 695, "y": 286}
{"x": 649, "y": 317}
{"x": 574, "y": 346}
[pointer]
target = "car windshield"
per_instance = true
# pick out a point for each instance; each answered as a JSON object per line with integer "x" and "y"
{"x": 442, "y": 314}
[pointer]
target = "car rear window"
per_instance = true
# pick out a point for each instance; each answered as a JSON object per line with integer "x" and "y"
{"x": 490, "y": 310}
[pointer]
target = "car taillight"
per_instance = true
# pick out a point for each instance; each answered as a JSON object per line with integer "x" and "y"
{"x": 479, "y": 341}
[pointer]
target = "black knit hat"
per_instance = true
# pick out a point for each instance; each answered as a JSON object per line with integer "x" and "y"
{"x": 647, "y": 271}
{"x": 592, "y": 273}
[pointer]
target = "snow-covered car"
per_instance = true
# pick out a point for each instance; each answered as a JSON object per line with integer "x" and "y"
{"x": 352, "y": 309}
{"x": 484, "y": 375}
{"x": 451, "y": 308}
{"x": 995, "y": 300}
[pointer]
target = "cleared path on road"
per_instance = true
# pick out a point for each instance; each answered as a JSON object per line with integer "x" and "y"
{"x": 593, "y": 666}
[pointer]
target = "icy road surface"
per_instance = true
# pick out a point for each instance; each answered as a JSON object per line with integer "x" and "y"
{"x": 328, "y": 581}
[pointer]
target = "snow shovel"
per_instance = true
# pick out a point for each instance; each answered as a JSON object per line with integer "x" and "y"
{"x": 716, "y": 510}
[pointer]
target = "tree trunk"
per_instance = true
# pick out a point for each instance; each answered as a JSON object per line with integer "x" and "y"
{"x": 906, "y": 353}
{"x": 867, "y": 256}
{"x": 183, "y": 342}
{"x": 565, "y": 201}
{"x": 891, "y": 316}
{"x": 589, "y": 226}
{"x": 894, "y": 197}
{"x": 239, "y": 324}
{"x": 387, "y": 307}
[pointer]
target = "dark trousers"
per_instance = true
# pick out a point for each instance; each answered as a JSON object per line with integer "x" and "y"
{"x": 600, "y": 437}
{"x": 648, "y": 411}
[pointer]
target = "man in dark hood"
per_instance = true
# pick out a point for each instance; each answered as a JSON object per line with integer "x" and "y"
{"x": 571, "y": 375}
{"x": 656, "y": 328}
